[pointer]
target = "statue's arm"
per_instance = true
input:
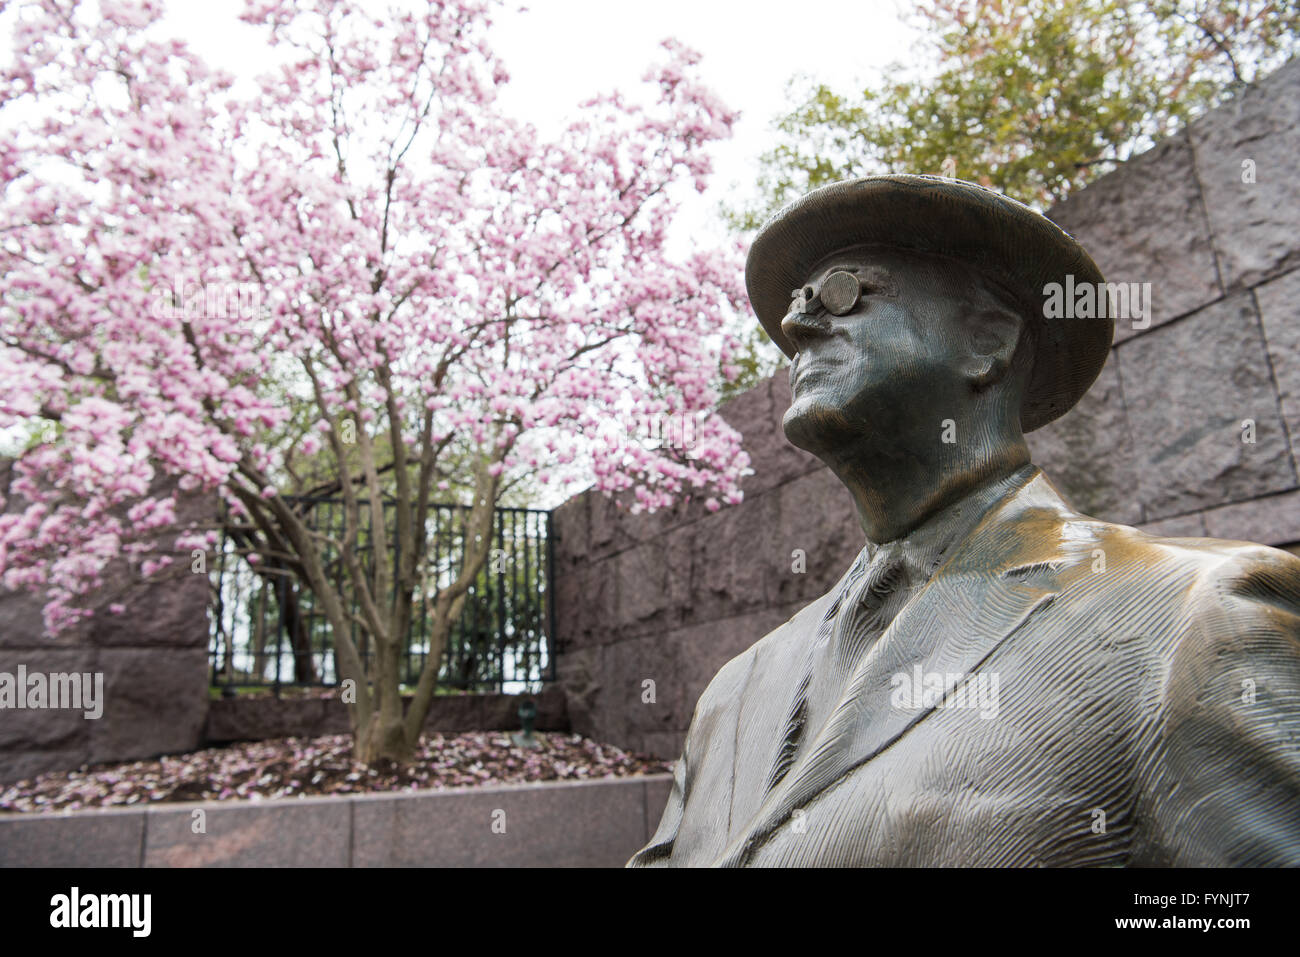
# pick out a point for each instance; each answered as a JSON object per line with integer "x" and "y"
{"x": 712, "y": 731}
{"x": 1228, "y": 788}
{"x": 660, "y": 849}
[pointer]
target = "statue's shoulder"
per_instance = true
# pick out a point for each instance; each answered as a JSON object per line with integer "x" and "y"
{"x": 1240, "y": 587}
{"x": 1227, "y": 604}
{"x": 1200, "y": 564}
{"x": 1213, "y": 566}
{"x": 1049, "y": 523}
{"x": 795, "y": 628}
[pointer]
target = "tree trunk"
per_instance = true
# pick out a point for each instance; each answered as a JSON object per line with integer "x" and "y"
{"x": 385, "y": 735}
{"x": 383, "y": 740}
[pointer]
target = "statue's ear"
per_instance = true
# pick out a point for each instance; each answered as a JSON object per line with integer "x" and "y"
{"x": 993, "y": 331}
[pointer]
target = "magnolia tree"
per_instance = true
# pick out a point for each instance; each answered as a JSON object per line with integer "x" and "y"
{"x": 358, "y": 276}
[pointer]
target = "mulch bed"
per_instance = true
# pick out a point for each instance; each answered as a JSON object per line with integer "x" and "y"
{"x": 298, "y": 767}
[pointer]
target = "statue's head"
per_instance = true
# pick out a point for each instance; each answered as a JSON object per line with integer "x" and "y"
{"x": 911, "y": 302}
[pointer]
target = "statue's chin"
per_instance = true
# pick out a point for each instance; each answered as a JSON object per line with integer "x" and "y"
{"x": 813, "y": 426}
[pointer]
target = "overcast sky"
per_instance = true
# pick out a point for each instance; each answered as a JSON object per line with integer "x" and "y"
{"x": 560, "y": 52}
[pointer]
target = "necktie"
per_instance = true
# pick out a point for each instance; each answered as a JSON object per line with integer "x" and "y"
{"x": 859, "y": 613}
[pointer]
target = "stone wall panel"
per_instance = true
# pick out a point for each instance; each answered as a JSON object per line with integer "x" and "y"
{"x": 1188, "y": 387}
{"x": 1253, "y": 223}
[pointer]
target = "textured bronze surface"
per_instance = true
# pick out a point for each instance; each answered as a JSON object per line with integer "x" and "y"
{"x": 998, "y": 679}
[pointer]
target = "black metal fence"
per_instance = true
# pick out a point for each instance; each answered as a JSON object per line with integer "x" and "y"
{"x": 267, "y": 631}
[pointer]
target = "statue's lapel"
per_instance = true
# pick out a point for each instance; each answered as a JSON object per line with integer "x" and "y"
{"x": 987, "y": 590}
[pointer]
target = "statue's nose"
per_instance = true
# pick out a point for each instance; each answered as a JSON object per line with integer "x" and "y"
{"x": 800, "y": 327}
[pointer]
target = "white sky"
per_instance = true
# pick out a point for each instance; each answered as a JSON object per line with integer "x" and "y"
{"x": 561, "y": 52}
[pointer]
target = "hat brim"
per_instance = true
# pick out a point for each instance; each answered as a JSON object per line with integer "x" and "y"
{"x": 1018, "y": 248}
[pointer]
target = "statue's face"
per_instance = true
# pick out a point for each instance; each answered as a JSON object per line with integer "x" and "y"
{"x": 881, "y": 349}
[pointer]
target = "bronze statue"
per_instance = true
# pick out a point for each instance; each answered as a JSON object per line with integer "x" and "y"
{"x": 998, "y": 680}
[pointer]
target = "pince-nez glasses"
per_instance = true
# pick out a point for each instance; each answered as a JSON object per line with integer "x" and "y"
{"x": 839, "y": 294}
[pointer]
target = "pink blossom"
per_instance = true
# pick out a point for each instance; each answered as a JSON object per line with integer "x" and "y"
{"x": 192, "y": 288}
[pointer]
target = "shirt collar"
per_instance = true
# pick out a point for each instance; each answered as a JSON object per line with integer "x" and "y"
{"x": 927, "y": 546}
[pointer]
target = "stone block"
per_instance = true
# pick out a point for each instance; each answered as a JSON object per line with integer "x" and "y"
{"x": 1279, "y": 311}
{"x": 654, "y": 582}
{"x": 303, "y": 832}
{"x": 615, "y": 707}
{"x": 750, "y": 412}
{"x": 737, "y": 550}
{"x": 657, "y": 789}
{"x": 586, "y": 606}
{"x": 168, "y": 613}
{"x": 450, "y": 713}
{"x": 18, "y": 766}
{"x": 569, "y": 595}
{"x": 1145, "y": 222}
{"x": 107, "y": 838}
{"x": 580, "y": 673}
{"x": 581, "y": 824}
{"x": 1254, "y": 223}
{"x": 607, "y": 529}
{"x": 259, "y": 718}
{"x": 1272, "y": 520}
{"x": 500, "y": 712}
{"x": 818, "y": 518}
{"x": 156, "y": 702}
{"x": 664, "y": 744}
{"x": 55, "y": 729}
{"x": 1188, "y": 387}
{"x": 21, "y": 624}
{"x": 628, "y": 666}
{"x": 552, "y": 709}
{"x": 639, "y": 527}
{"x": 1088, "y": 453}
{"x": 1191, "y": 525}
{"x": 569, "y": 530}
{"x": 246, "y": 718}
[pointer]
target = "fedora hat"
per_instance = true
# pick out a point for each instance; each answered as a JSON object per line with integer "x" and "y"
{"x": 1018, "y": 249}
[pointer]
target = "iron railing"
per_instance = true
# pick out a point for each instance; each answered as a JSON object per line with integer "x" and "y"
{"x": 267, "y": 630}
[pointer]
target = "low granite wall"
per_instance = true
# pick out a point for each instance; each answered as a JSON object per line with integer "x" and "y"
{"x": 570, "y": 824}
{"x": 649, "y": 607}
{"x": 259, "y": 718}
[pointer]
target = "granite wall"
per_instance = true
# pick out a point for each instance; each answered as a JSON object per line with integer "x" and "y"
{"x": 263, "y": 716}
{"x": 153, "y": 658}
{"x": 650, "y": 606}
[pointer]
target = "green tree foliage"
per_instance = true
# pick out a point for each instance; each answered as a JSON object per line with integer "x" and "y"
{"x": 1034, "y": 99}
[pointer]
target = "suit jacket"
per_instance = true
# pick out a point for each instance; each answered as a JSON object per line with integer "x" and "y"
{"x": 1148, "y": 713}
